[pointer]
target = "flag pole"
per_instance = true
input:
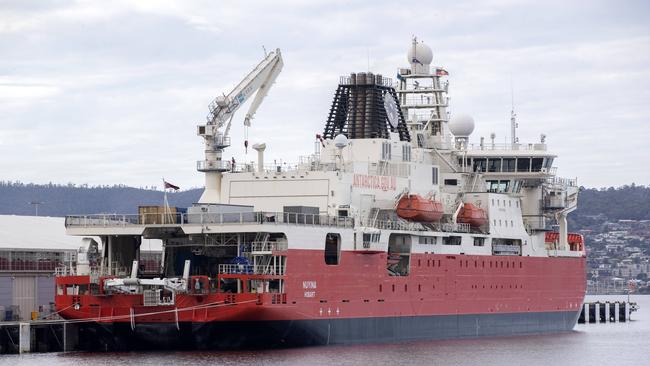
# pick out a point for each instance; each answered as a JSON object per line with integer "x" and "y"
{"x": 166, "y": 210}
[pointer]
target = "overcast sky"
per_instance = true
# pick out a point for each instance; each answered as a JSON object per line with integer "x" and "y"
{"x": 110, "y": 92}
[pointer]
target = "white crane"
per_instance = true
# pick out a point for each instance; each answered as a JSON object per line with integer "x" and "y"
{"x": 222, "y": 111}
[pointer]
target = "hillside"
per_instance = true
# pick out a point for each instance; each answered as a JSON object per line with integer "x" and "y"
{"x": 595, "y": 205}
{"x": 60, "y": 200}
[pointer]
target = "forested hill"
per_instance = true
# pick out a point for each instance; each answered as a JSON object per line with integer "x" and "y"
{"x": 61, "y": 200}
{"x": 626, "y": 202}
{"x": 629, "y": 202}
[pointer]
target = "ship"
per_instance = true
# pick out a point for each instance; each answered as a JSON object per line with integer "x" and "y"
{"x": 395, "y": 228}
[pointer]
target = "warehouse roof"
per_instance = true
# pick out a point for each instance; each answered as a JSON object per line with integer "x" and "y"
{"x": 46, "y": 233}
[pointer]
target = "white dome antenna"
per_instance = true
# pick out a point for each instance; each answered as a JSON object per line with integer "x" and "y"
{"x": 420, "y": 57}
{"x": 340, "y": 141}
{"x": 461, "y": 126}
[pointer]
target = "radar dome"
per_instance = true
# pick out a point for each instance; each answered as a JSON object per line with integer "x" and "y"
{"x": 340, "y": 141}
{"x": 461, "y": 125}
{"x": 420, "y": 53}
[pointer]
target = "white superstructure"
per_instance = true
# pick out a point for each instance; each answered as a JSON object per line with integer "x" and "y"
{"x": 383, "y": 141}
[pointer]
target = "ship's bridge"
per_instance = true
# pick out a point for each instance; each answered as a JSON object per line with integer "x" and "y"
{"x": 508, "y": 160}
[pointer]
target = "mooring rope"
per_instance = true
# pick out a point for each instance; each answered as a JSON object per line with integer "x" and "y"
{"x": 133, "y": 316}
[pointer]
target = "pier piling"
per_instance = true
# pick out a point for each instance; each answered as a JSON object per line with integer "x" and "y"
{"x": 606, "y": 312}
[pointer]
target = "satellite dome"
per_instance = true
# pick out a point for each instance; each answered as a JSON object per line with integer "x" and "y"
{"x": 420, "y": 53}
{"x": 340, "y": 141}
{"x": 461, "y": 125}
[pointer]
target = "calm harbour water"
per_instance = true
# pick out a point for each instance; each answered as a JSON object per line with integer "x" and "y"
{"x": 591, "y": 344}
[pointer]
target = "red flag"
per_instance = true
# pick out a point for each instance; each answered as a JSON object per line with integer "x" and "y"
{"x": 170, "y": 186}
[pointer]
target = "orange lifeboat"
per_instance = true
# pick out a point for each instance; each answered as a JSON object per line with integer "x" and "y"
{"x": 415, "y": 208}
{"x": 472, "y": 215}
{"x": 576, "y": 241}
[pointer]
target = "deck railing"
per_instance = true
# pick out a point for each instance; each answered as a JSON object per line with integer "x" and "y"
{"x": 165, "y": 219}
{"x": 248, "y": 218}
{"x": 268, "y": 246}
{"x": 273, "y": 270}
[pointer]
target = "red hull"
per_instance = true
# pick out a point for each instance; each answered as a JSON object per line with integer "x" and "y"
{"x": 359, "y": 288}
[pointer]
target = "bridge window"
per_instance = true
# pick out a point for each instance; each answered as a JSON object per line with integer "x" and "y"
{"x": 548, "y": 163}
{"x": 451, "y": 182}
{"x": 332, "y": 249}
{"x": 497, "y": 186}
{"x": 523, "y": 164}
{"x": 479, "y": 241}
{"x": 479, "y": 164}
{"x": 494, "y": 165}
{"x": 537, "y": 164}
{"x": 508, "y": 164}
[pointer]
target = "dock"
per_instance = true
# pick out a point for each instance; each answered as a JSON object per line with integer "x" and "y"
{"x": 38, "y": 336}
{"x": 607, "y": 312}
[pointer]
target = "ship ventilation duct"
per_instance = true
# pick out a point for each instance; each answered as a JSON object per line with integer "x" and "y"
{"x": 365, "y": 106}
{"x": 260, "y": 156}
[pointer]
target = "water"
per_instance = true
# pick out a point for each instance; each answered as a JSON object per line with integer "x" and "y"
{"x": 589, "y": 344}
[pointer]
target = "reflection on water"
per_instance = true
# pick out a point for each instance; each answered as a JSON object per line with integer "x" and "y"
{"x": 591, "y": 344}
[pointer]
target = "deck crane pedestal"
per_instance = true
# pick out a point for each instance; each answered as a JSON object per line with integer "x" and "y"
{"x": 222, "y": 110}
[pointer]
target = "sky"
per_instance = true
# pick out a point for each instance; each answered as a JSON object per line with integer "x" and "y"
{"x": 97, "y": 92}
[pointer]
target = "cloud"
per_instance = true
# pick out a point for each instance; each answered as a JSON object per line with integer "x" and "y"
{"x": 111, "y": 92}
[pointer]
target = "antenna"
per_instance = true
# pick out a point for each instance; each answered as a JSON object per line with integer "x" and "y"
{"x": 513, "y": 116}
{"x": 36, "y": 204}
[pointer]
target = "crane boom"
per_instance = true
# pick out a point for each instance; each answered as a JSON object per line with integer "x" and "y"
{"x": 259, "y": 79}
{"x": 221, "y": 112}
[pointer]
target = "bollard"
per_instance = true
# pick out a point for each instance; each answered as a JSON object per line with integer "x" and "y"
{"x": 610, "y": 313}
{"x": 602, "y": 315}
{"x": 622, "y": 315}
{"x": 24, "y": 338}
{"x": 592, "y": 313}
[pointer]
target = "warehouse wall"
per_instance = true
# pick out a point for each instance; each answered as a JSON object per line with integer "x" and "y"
{"x": 6, "y": 286}
{"x": 27, "y": 291}
{"x": 24, "y": 295}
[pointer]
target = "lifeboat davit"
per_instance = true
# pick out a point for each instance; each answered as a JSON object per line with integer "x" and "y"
{"x": 472, "y": 215}
{"x": 416, "y": 208}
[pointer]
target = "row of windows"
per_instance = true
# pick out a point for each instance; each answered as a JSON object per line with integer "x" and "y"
{"x": 33, "y": 260}
{"x": 386, "y": 151}
{"x": 508, "y": 165}
{"x": 503, "y": 186}
{"x": 497, "y": 202}
{"x": 491, "y": 264}
{"x": 406, "y": 287}
{"x": 450, "y": 240}
{"x": 482, "y": 264}
{"x": 503, "y": 223}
